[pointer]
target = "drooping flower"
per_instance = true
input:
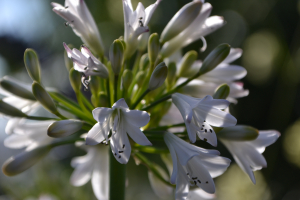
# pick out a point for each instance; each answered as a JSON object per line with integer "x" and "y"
{"x": 193, "y": 166}
{"x": 200, "y": 114}
{"x": 77, "y": 15}
{"x": 136, "y": 22}
{"x": 92, "y": 166}
{"x": 201, "y": 26}
{"x": 86, "y": 63}
{"x": 121, "y": 121}
{"x": 248, "y": 154}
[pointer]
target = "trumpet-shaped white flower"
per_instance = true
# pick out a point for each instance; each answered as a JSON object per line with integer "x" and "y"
{"x": 200, "y": 114}
{"x": 121, "y": 121}
{"x": 200, "y": 27}
{"x": 77, "y": 15}
{"x": 193, "y": 166}
{"x": 164, "y": 191}
{"x": 136, "y": 22}
{"x": 248, "y": 154}
{"x": 94, "y": 166}
{"x": 30, "y": 135}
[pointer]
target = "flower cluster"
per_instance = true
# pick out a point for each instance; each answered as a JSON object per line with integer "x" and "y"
{"x": 163, "y": 102}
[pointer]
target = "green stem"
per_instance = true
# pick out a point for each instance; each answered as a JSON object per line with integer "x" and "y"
{"x": 117, "y": 178}
{"x": 78, "y": 114}
{"x": 167, "y": 127}
{"x": 86, "y": 102}
{"x": 157, "y": 102}
{"x": 80, "y": 102}
{"x": 116, "y": 88}
{"x": 139, "y": 99}
{"x": 108, "y": 93}
{"x": 64, "y": 100}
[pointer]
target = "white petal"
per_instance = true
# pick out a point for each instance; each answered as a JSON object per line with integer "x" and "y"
{"x": 137, "y": 135}
{"x": 149, "y": 11}
{"x": 100, "y": 176}
{"x": 264, "y": 139}
{"x": 174, "y": 160}
{"x": 212, "y": 24}
{"x": 225, "y": 73}
{"x": 182, "y": 187}
{"x": 136, "y": 118}
{"x": 81, "y": 174}
{"x": 121, "y": 103}
{"x": 102, "y": 114}
{"x": 198, "y": 194}
{"x": 97, "y": 133}
{"x": 216, "y": 103}
{"x": 15, "y": 141}
{"x": 216, "y": 165}
{"x": 234, "y": 54}
{"x": 215, "y": 116}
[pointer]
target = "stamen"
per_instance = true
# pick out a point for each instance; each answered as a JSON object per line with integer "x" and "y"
{"x": 85, "y": 82}
{"x": 206, "y": 181}
{"x": 121, "y": 151}
{"x": 205, "y": 130}
{"x": 195, "y": 182}
{"x": 199, "y": 181}
{"x": 66, "y": 7}
{"x": 141, "y": 22}
{"x": 210, "y": 130}
{"x": 119, "y": 156}
{"x": 204, "y": 139}
{"x": 123, "y": 146}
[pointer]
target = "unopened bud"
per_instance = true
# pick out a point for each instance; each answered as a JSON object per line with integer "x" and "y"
{"x": 21, "y": 162}
{"x": 68, "y": 61}
{"x": 158, "y": 76}
{"x": 153, "y": 47}
{"x": 215, "y": 58}
{"x": 16, "y": 88}
{"x": 32, "y": 65}
{"x": 43, "y": 97}
{"x": 127, "y": 78}
{"x": 144, "y": 62}
{"x": 187, "y": 61}
{"x": 116, "y": 52}
{"x": 238, "y": 133}
{"x": 143, "y": 41}
{"x": 182, "y": 19}
{"x": 222, "y": 92}
{"x": 64, "y": 128}
{"x": 171, "y": 78}
{"x": 75, "y": 79}
{"x": 140, "y": 78}
{"x": 9, "y": 110}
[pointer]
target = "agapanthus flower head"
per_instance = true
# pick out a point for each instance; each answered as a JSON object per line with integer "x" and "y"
{"x": 200, "y": 114}
{"x": 136, "y": 22}
{"x": 86, "y": 63}
{"x": 121, "y": 121}
{"x": 193, "y": 166}
{"x": 77, "y": 15}
{"x": 248, "y": 154}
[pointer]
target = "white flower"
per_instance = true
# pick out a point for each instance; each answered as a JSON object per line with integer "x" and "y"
{"x": 164, "y": 191}
{"x": 121, "y": 121}
{"x": 136, "y": 22}
{"x": 94, "y": 166}
{"x": 248, "y": 154}
{"x": 200, "y": 27}
{"x": 193, "y": 166}
{"x": 200, "y": 114}
{"x": 30, "y": 135}
{"x": 86, "y": 62}
{"x": 77, "y": 15}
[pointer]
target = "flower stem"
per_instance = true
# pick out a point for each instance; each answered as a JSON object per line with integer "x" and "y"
{"x": 41, "y": 118}
{"x": 139, "y": 99}
{"x": 116, "y": 88}
{"x": 167, "y": 127}
{"x": 117, "y": 178}
{"x": 157, "y": 102}
{"x": 108, "y": 93}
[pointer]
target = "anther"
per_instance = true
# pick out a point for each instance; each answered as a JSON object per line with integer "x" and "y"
{"x": 210, "y": 130}
{"x": 121, "y": 151}
{"x": 66, "y": 7}
{"x": 201, "y": 129}
{"x": 205, "y": 139}
{"x": 204, "y": 121}
{"x": 203, "y": 125}
{"x": 195, "y": 182}
{"x": 205, "y": 130}
{"x": 199, "y": 181}
{"x": 119, "y": 156}
{"x": 123, "y": 146}
{"x": 141, "y": 22}
{"x": 206, "y": 181}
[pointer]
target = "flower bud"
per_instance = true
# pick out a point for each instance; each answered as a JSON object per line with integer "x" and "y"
{"x": 21, "y": 162}
{"x": 127, "y": 78}
{"x": 140, "y": 77}
{"x": 9, "y": 110}
{"x": 222, "y": 92}
{"x": 158, "y": 76}
{"x": 32, "y": 65}
{"x": 75, "y": 79}
{"x": 215, "y": 58}
{"x": 16, "y": 88}
{"x": 143, "y": 41}
{"x": 116, "y": 52}
{"x": 238, "y": 133}
{"x": 153, "y": 47}
{"x": 68, "y": 61}
{"x": 103, "y": 100}
{"x": 43, "y": 97}
{"x": 64, "y": 128}
{"x": 95, "y": 84}
{"x": 171, "y": 78}
{"x": 144, "y": 62}
{"x": 186, "y": 63}
{"x": 182, "y": 19}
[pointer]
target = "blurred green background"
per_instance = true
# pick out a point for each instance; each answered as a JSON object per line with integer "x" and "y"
{"x": 269, "y": 33}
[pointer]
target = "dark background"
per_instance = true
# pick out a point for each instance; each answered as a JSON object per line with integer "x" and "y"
{"x": 269, "y": 33}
